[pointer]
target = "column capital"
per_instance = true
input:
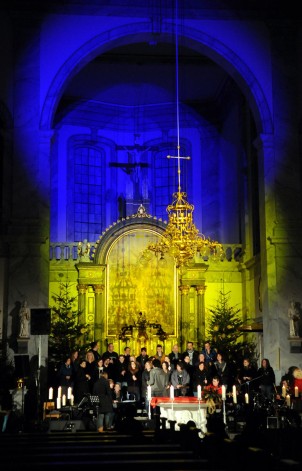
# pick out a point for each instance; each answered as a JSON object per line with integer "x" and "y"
{"x": 82, "y": 289}
{"x": 98, "y": 289}
{"x": 184, "y": 289}
{"x": 200, "y": 289}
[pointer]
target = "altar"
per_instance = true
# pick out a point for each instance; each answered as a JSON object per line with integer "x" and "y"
{"x": 180, "y": 410}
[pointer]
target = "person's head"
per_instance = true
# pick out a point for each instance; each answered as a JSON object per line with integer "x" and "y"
{"x": 189, "y": 345}
{"x": 219, "y": 357}
{"x": 83, "y": 363}
{"x": 110, "y": 347}
{"x": 179, "y": 366}
{"x": 106, "y": 362}
{"x": 148, "y": 365}
{"x": 175, "y": 348}
{"x": 89, "y": 357}
{"x": 201, "y": 365}
{"x": 207, "y": 345}
{"x": 167, "y": 359}
{"x": 265, "y": 363}
{"x": 133, "y": 365}
{"x": 95, "y": 345}
{"x": 117, "y": 388}
{"x": 143, "y": 351}
{"x": 121, "y": 358}
{"x": 68, "y": 361}
{"x": 215, "y": 380}
{"x": 201, "y": 357}
{"x": 165, "y": 366}
{"x": 246, "y": 362}
{"x": 100, "y": 362}
{"x": 74, "y": 355}
{"x": 127, "y": 351}
{"x": 159, "y": 348}
{"x": 111, "y": 383}
{"x": 156, "y": 363}
{"x": 186, "y": 359}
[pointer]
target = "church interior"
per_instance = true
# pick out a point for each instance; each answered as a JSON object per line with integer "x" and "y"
{"x": 112, "y": 113}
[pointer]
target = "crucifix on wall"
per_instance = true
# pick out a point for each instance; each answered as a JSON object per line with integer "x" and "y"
{"x": 136, "y": 189}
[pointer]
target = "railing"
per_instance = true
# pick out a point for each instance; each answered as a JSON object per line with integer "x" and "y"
{"x": 69, "y": 251}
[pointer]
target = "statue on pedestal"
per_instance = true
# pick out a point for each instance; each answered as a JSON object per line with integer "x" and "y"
{"x": 294, "y": 316}
{"x": 24, "y": 316}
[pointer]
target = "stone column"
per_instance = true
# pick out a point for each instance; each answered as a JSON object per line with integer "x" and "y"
{"x": 99, "y": 315}
{"x": 201, "y": 325}
{"x": 82, "y": 303}
{"x": 183, "y": 314}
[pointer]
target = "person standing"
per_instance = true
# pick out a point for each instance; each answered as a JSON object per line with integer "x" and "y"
{"x": 174, "y": 355}
{"x": 94, "y": 348}
{"x": 267, "y": 379}
{"x": 158, "y": 381}
{"x": 210, "y": 354}
{"x": 142, "y": 358}
{"x": 180, "y": 380}
{"x": 193, "y": 354}
{"x": 102, "y": 389}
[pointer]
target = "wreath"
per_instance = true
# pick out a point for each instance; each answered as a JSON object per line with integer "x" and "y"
{"x": 212, "y": 399}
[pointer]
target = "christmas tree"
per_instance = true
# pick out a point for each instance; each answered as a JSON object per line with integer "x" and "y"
{"x": 225, "y": 330}
{"x": 67, "y": 334}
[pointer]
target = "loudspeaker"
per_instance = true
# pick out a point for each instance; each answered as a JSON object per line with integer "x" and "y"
{"x": 66, "y": 425}
{"x": 40, "y": 321}
{"x": 22, "y": 369}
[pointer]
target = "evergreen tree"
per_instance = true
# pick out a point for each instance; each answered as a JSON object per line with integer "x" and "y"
{"x": 66, "y": 333}
{"x": 224, "y": 332}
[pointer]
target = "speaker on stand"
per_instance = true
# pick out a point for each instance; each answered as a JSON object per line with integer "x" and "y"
{"x": 40, "y": 319}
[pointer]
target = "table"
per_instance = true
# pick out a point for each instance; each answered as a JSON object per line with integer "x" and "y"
{"x": 182, "y": 409}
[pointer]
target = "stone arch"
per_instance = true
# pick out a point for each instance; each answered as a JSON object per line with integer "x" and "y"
{"x": 199, "y": 41}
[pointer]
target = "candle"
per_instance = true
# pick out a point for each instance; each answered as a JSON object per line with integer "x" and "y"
{"x": 171, "y": 392}
{"x": 50, "y": 393}
{"x": 71, "y": 399}
{"x": 64, "y": 400}
{"x": 296, "y": 391}
{"x": 199, "y": 392}
{"x": 234, "y": 394}
{"x": 288, "y": 400}
{"x": 149, "y": 395}
{"x": 59, "y": 391}
{"x": 283, "y": 391}
{"x": 223, "y": 392}
{"x": 58, "y": 403}
{"x": 246, "y": 396}
{"x": 69, "y": 391}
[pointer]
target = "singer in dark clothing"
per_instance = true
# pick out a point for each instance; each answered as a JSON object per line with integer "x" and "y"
{"x": 102, "y": 389}
{"x": 267, "y": 379}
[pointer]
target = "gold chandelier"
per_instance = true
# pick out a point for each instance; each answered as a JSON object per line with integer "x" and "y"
{"x": 181, "y": 238}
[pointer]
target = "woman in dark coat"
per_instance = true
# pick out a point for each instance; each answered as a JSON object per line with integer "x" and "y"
{"x": 81, "y": 382}
{"x": 102, "y": 389}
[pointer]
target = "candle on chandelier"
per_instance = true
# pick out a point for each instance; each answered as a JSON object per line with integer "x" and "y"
{"x": 64, "y": 400}
{"x": 50, "y": 393}
{"x": 69, "y": 391}
{"x": 288, "y": 400}
{"x": 234, "y": 394}
{"x": 149, "y": 395}
{"x": 296, "y": 391}
{"x": 223, "y": 392}
{"x": 246, "y": 396}
{"x": 171, "y": 392}
{"x": 199, "y": 392}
